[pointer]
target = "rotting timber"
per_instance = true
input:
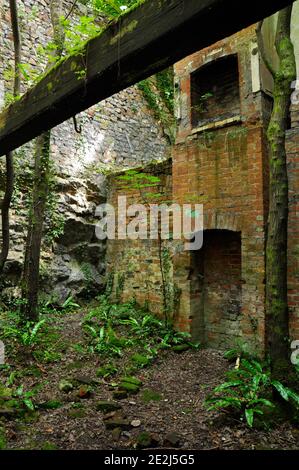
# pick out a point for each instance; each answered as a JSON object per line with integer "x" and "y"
{"x": 145, "y": 40}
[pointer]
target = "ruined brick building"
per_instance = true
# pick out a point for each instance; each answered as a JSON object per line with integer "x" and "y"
{"x": 223, "y": 105}
{"x": 220, "y": 158}
{"x": 223, "y": 102}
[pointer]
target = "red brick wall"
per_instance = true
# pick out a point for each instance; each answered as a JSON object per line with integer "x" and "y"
{"x": 222, "y": 286}
{"x": 251, "y": 103}
{"x": 224, "y": 169}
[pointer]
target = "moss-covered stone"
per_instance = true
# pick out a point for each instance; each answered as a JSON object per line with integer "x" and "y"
{"x": 49, "y": 446}
{"x": 77, "y": 413}
{"x": 118, "y": 422}
{"x": 84, "y": 392}
{"x": 65, "y": 386}
{"x": 140, "y": 360}
{"x": 180, "y": 348}
{"x": 50, "y": 405}
{"x": 107, "y": 406}
{"x": 150, "y": 395}
{"x": 106, "y": 371}
{"x": 132, "y": 380}
{"x": 5, "y": 392}
{"x": 130, "y": 388}
{"x": 120, "y": 394}
{"x": 146, "y": 439}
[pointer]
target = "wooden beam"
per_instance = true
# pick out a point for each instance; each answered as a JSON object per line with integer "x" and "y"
{"x": 145, "y": 40}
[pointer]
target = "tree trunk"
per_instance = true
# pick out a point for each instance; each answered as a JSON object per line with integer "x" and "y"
{"x": 5, "y": 207}
{"x": 30, "y": 281}
{"x": 277, "y": 324}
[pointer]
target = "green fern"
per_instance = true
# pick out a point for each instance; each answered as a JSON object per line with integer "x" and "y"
{"x": 248, "y": 391}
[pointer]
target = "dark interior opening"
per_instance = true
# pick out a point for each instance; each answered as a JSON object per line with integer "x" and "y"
{"x": 215, "y": 93}
{"x": 216, "y": 289}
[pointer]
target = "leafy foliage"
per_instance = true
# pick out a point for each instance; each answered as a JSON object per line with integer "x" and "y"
{"x": 248, "y": 391}
{"x": 2, "y": 438}
{"x": 113, "y": 8}
{"x": 164, "y": 80}
{"x": 78, "y": 31}
{"x": 145, "y": 326}
{"x": 38, "y": 339}
{"x": 16, "y": 398}
{"x": 158, "y": 91}
{"x": 77, "y": 34}
{"x": 26, "y": 334}
{"x": 111, "y": 328}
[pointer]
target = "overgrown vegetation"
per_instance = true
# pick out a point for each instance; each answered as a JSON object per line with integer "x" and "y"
{"x": 150, "y": 188}
{"x": 110, "y": 329}
{"x": 123, "y": 337}
{"x": 159, "y": 94}
{"x": 115, "y": 329}
{"x": 77, "y": 30}
{"x": 38, "y": 340}
{"x": 248, "y": 392}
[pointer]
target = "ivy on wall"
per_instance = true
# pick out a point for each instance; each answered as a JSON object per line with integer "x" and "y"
{"x": 159, "y": 94}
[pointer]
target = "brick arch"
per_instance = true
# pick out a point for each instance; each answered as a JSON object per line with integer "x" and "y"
{"x": 214, "y": 220}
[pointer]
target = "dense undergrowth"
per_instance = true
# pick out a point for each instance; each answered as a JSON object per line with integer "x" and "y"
{"x": 122, "y": 339}
{"x": 125, "y": 337}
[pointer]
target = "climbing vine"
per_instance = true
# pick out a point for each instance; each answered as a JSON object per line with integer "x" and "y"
{"x": 158, "y": 92}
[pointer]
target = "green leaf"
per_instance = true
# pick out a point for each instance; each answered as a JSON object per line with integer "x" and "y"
{"x": 102, "y": 333}
{"x": 252, "y": 366}
{"x": 263, "y": 401}
{"x": 19, "y": 391}
{"x": 91, "y": 330}
{"x": 294, "y": 396}
{"x": 226, "y": 385}
{"x": 282, "y": 390}
{"x": 285, "y": 392}
{"x": 214, "y": 403}
{"x": 28, "y": 403}
{"x": 36, "y": 328}
{"x": 249, "y": 417}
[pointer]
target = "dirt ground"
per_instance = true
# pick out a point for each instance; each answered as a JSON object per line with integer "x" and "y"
{"x": 176, "y": 416}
